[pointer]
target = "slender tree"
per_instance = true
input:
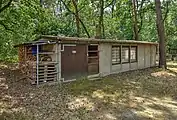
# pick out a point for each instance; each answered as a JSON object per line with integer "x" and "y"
{"x": 161, "y": 35}
{"x": 100, "y": 25}
{"x": 75, "y": 2}
{"x": 135, "y": 21}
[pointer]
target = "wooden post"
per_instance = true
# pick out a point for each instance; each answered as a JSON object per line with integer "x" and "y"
{"x": 57, "y": 65}
{"x": 37, "y": 63}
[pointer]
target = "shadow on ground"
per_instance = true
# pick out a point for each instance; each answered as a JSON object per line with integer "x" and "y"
{"x": 149, "y": 94}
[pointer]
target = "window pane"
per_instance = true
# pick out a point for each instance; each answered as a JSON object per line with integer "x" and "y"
{"x": 125, "y": 54}
{"x": 133, "y": 54}
{"x": 115, "y": 54}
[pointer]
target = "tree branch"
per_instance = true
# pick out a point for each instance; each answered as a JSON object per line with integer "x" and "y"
{"x": 167, "y": 11}
{"x": 83, "y": 25}
{"x": 6, "y": 6}
{"x": 81, "y": 8}
{"x": 109, "y": 4}
{"x": 5, "y": 26}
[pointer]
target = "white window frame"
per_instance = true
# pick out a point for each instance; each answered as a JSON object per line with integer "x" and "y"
{"x": 116, "y": 54}
{"x": 136, "y": 54}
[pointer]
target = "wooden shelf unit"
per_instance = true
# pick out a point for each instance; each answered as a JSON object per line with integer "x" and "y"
{"x": 46, "y": 72}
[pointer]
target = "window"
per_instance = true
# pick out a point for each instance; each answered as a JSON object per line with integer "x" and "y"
{"x": 125, "y": 54}
{"x": 133, "y": 54}
{"x": 115, "y": 54}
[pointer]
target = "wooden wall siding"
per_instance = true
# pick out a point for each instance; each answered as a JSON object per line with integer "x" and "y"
{"x": 147, "y": 56}
{"x": 141, "y": 58}
{"x": 105, "y": 59}
{"x": 74, "y": 62}
{"x": 153, "y": 55}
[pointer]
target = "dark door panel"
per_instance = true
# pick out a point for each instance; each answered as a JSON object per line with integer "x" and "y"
{"x": 74, "y": 62}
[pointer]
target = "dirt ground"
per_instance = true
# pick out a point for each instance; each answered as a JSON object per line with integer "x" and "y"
{"x": 149, "y": 94}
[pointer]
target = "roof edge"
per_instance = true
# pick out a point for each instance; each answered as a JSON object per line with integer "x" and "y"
{"x": 81, "y": 39}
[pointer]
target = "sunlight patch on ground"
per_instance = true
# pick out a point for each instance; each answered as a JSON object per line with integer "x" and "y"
{"x": 102, "y": 95}
{"x": 81, "y": 102}
{"x": 2, "y": 79}
{"x": 3, "y": 107}
{"x": 163, "y": 74}
{"x": 9, "y": 104}
{"x": 173, "y": 69}
{"x": 172, "y": 63}
{"x": 156, "y": 107}
{"x": 106, "y": 115}
{"x": 3, "y": 66}
{"x": 7, "y": 108}
{"x": 3, "y": 86}
{"x": 110, "y": 116}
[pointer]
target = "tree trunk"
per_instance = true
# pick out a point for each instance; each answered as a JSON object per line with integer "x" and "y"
{"x": 100, "y": 22}
{"x": 76, "y": 17}
{"x": 112, "y": 8}
{"x": 60, "y": 8}
{"x": 161, "y": 35}
{"x": 141, "y": 14}
{"x": 41, "y": 3}
{"x": 135, "y": 22}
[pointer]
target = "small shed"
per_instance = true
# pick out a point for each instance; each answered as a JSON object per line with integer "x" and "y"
{"x": 63, "y": 59}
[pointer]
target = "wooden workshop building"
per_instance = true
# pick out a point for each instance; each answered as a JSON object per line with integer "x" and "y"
{"x": 63, "y": 59}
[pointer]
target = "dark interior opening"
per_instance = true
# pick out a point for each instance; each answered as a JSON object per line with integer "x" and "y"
{"x": 92, "y": 54}
{"x": 92, "y": 48}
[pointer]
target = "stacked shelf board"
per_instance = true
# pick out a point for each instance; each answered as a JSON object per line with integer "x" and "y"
{"x": 93, "y": 59}
{"x": 46, "y": 72}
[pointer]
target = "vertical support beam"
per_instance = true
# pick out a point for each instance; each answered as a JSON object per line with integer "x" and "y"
{"x": 56, "y": 58}
{"x": 151, "y": 53}
{"x": 145, "y": 56}
{"x": 121, "y": 57}
{"x": 37, "y": 65}
{"x": 61, "y": 49}
{"x": 58, "y": 63}
{"x": 137, "y": 48}
{"x": 130, "y": 57}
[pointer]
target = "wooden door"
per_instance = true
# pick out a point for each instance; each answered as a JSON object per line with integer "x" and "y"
{"x": 74, "y": 61}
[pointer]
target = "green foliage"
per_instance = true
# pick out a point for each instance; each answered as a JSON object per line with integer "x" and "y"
{"x": 24, "y": 20}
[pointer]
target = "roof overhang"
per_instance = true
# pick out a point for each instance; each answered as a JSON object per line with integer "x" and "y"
{"x": 48, "y": 39}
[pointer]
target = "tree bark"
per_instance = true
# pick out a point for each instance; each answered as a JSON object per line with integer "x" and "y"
{"x": 41, "y": 3}
{"x": 99, "y": 33}
{"x": 161, "y": 35}
{"x": 76, "y": 17}
{"x": 112, "y": 8}
{"x": 135, "y": 22}
{"x": 141, "y": 14}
